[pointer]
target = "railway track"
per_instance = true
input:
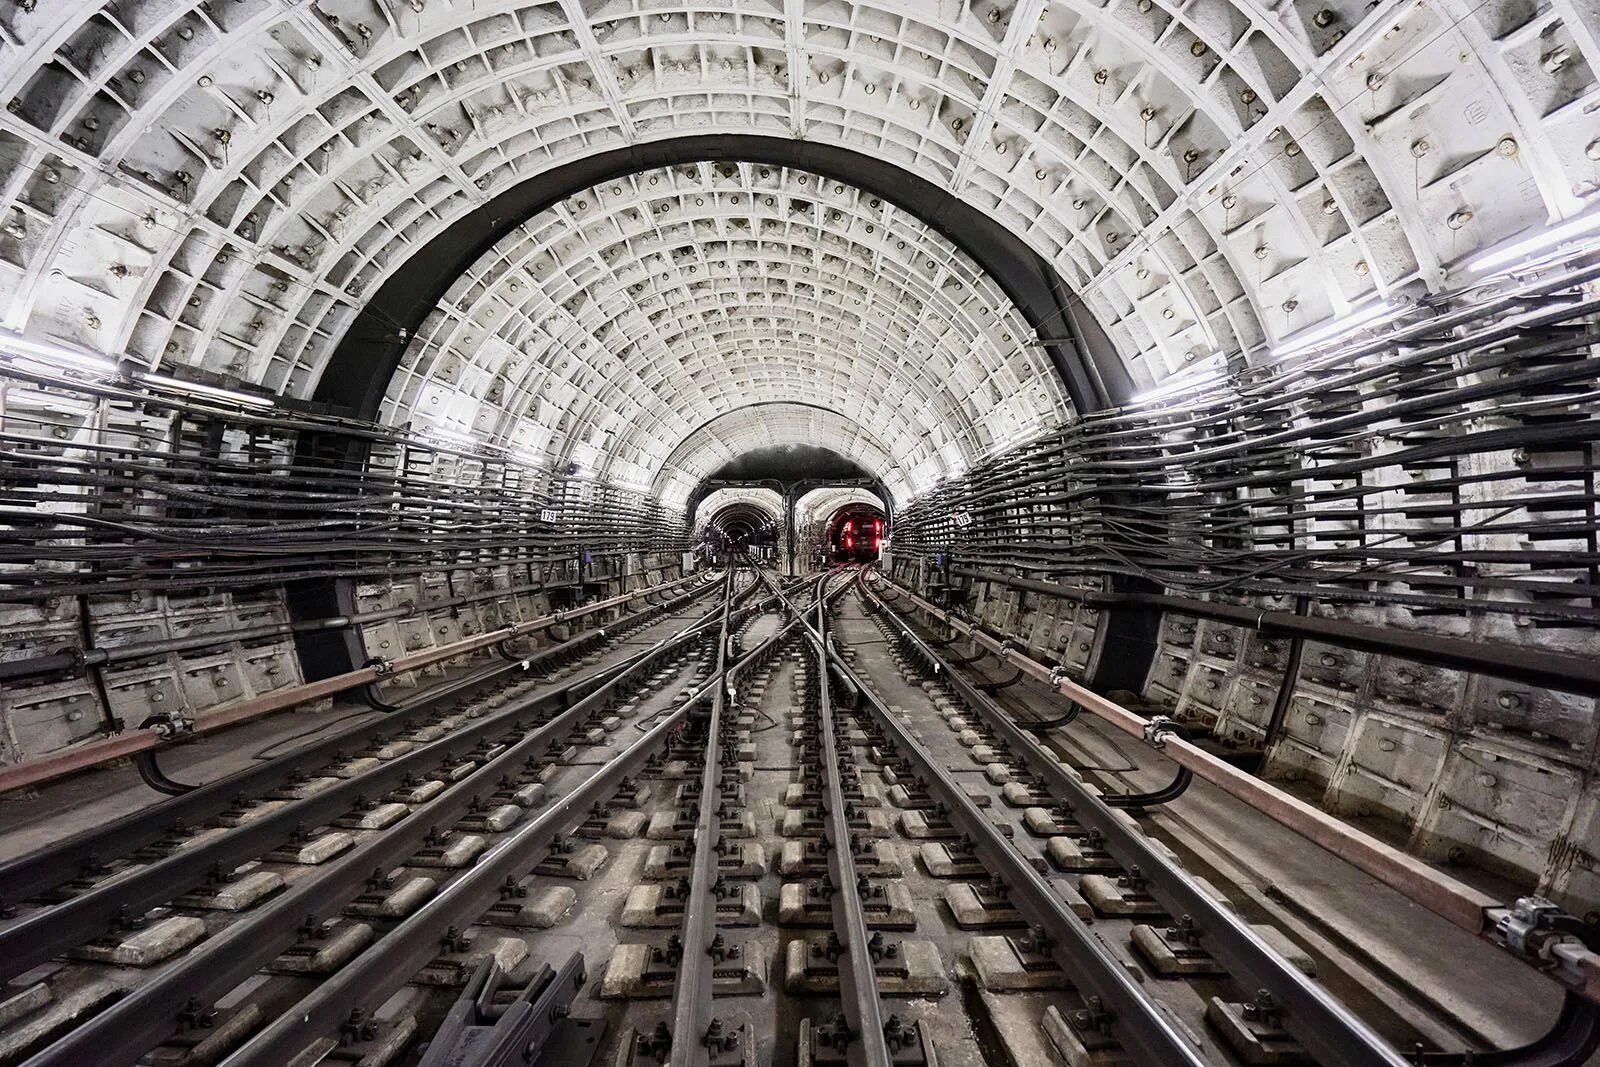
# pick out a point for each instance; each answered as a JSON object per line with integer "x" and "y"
{"x": 121, "y": 941}
{"x": 735, "y": 833}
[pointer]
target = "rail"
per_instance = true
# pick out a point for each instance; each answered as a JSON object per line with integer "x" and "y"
{"x": 1466, "y": 907}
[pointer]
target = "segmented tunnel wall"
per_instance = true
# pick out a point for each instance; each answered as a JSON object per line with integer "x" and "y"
{"x": 1440, "y": 484}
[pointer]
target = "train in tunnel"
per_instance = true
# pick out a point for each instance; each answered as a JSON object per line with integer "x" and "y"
{"x": 856, "y": 535}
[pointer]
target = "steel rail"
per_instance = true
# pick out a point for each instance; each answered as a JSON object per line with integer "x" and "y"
{"x": 692, "y": 992}
{"x": 51, "y": 931}
{"x": 1323, "y": 1026}
{"x": 146, "y": 1015}
{"x": 858, "y": 975}
{"x": 394, "y": 958}
{"x": 1455, "y": 901}
{"x": 49, "y": 768}
{"x": 25, "y": 876}
{"x": 389, "y": 963}
{"x": 1144, "y": 1029}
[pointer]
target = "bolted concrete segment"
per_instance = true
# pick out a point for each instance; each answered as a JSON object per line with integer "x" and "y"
{"x": 531, "y": 795}
{"x": 356, "y": 766}
{"x": 649, "y": 906}
{"x": 894, "y": 910}
{"x": 455, "y": 965}
{"x": 255, "y": 811}
{"x": 915, "y": 970}
{"x": 1002, "y": 966}
{"x": 325, "y": 951}
{"x": 625, "y": 824}
{"x": 319, "y": 849}
{"x": 502, "y": 818}
{"x": 144, "y": 948}
{"x": 883, "y": 860}
{"x": 998, "y": 773}
{"x": 643, "y": 972}
{"x": 625, "y": 973}
{"x": 914, "y": 824}
{"x": 452, "y": 854}
{"x": 377, "y": 818}
{"x": 542, "y": 908}
{"x": 393, "y": 902}
{"x": 976, "y": 909}
{"x": 1118, "y": 897}
{"x": 201, "y": 838}
{"x": 749, "y": 860}
{"x": 1041, "y": 823}
{"x": 581, "y": 863}
{"x": 1255, "y": 1031}
{"x": 1174, "y": 951}
{"x": 235, "y": 895}
{"x": 942, "y": 863}
{"x": 25, "y": 1002}
{"x": 39, "y": 1020}
{"x": 203, "y": 1046}
{"x": 385, "y": 1046}
{"x": 1079, "y": 1045}
{"x": 1018, "y": 795}
{"x": 814, "y": 1047}
{"x": 309, "y": 787}
{"x": 1075, "y": 854}
{"x": 420, "y": 794}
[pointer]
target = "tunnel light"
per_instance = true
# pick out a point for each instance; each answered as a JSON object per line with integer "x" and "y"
{"x": 203, "y": 392}
{"x": 1201, "y": 374}
{"x": 454, "y": 437}
{"x": 1374, "y": 314}
{"x": 1541, "y": 246}
{"x": 57, "y": 356}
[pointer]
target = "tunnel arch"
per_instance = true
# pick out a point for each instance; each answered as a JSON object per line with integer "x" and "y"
{"x": 602, "y": 330}
{"x": 1211, "y": 181}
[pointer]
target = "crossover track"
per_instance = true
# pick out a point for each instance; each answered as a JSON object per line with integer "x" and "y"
{"x": 754, "y": 825}
{"x": 295, "y": 867}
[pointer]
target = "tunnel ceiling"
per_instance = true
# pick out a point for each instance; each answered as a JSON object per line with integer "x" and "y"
{"x": 764, "y": 504}
{"x": 617, "y": 325}
{"x": 222, "y": 185}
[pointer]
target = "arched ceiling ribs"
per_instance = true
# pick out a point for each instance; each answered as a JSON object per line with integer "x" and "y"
{"x": 764, "y": 502}
{"x": 234, "y": 186}
{"x": 602, "y": 331}
{"x": 775, "y": 425}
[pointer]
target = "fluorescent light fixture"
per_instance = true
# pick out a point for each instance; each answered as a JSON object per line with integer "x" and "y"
{"x": 454, "y": 437}
{"x": 57, "y": 356}
{"x": 1374, "y": 314}
{"x": 201, "y": 391}
{"x": 1538, "y": 247}
{"x": 1201, "y": 374}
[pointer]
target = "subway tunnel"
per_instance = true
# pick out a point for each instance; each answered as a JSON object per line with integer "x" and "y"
{"x": 766, "y": 532}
